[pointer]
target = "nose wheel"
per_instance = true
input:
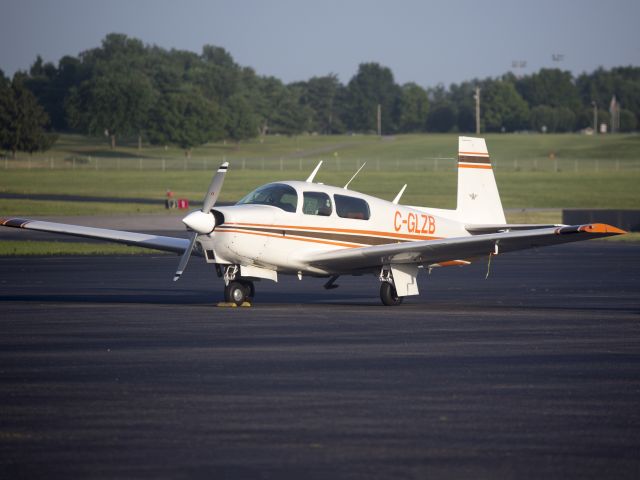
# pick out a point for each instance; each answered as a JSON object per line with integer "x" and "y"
{"x": 239, "y": 291}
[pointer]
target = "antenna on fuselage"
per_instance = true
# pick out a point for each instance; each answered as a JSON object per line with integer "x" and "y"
{"x": 397, "y": 199}
{"x": 354, "y": 175}
{"x": 313, "y": 174}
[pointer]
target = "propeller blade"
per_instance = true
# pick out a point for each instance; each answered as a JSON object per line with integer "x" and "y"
{"x": 185, "y": 257}
{"x": 203, "y": 221}
{"x": 214, "y": 188}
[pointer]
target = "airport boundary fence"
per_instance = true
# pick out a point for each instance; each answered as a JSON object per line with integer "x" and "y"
{"x": 435, "y": 164}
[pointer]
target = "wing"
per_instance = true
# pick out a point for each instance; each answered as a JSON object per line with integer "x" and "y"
{"x": 428, "y": 252}
{"x": 156, "y": 242}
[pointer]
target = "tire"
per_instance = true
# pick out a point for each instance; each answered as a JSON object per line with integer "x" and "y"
{"x": 236, "y": 293}
{"x": 249, "y": 288}
{"x": 388, "y": 295}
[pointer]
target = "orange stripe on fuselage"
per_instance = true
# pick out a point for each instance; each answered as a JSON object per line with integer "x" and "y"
{"x": 289, "y": 237}
{"x": 338, "y": 230}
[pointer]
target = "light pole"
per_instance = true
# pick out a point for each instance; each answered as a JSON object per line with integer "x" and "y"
{"x": 518, "y": 66}
{"x": 595, "y": 117}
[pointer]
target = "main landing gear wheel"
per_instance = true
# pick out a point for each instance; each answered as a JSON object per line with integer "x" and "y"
{"x": 236, "y": 293}
{"x": 388, "y": 294}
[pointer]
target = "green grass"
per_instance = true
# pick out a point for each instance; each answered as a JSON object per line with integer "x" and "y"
{"x": 436, "y": 189}
{"x": 502, "y": 147}
{"x": 593, "y": 171}
{"x": 16, "y": 247}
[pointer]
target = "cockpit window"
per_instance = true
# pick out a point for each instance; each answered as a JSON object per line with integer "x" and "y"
{"x": 275, "y": 194}
{"x": 352, "y": 207}
{"x": 316, "y": 203}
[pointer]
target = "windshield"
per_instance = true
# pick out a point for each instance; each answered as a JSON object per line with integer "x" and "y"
{"x": 275, "y": 194}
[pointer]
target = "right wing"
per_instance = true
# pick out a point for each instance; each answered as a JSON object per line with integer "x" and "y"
{"x": 156, "y": 242}
{"x": 429, "y": 252}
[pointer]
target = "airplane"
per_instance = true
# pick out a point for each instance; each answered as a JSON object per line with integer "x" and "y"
{"x": 306, "y": 228}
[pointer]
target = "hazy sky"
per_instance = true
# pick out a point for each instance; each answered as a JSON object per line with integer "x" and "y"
{"x": 422, "y": 41}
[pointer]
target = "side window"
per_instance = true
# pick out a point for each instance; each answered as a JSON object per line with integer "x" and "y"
{"x": 316, "y": 203}
{"x": 352, "y": 207}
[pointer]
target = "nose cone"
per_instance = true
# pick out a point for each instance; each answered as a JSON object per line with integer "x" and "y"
{"x": 200, "y": 222}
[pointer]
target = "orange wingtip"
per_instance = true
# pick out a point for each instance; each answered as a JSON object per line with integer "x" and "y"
{"x": 601, "y": 228}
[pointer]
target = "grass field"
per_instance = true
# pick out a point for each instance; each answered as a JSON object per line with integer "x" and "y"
{"x": 365, "y": 147}
{"x": 33, "y": 248}
{"x": 436, "y": 189}
{"x": 585, "y": 171}
{"x": 532, "y": 171}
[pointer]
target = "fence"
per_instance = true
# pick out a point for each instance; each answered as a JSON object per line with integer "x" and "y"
{"x": 434, "y": 164}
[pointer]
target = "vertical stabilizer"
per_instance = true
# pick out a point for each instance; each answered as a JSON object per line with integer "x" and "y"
{"x": 478, "y": 197}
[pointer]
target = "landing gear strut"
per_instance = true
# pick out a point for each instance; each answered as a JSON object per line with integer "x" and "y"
{"x": 238, "y": 290}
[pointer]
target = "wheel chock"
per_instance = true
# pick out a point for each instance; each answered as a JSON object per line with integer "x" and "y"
{"x": 232, "y": 304}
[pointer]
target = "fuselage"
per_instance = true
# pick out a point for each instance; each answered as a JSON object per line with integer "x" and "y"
{"x": 279, "y": 225}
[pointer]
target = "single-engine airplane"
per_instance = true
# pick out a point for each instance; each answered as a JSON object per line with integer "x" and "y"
{"x": 307, "y": 228}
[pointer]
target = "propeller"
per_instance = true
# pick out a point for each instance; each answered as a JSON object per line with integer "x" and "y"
{"x": 202, "y": 222}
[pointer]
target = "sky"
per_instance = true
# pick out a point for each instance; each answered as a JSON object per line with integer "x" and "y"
{"x": 421, "y": 41}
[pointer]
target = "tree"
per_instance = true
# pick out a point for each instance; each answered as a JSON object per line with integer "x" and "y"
{"x": 441, "y": 118}
{"x": 241, "y": 123}
{"x": 550, "y": 86}
{"x": 628, "y": 122}
{"x": 414, "y": 107}
{"x": 291, "y": 117}
{"x": 112, "y": 102}
{"x": 279, "y": 108}
{"x": 503, "y": 109}
{"x": 322, "y": 95}
{"x": 186, "y": 119}
{"x": 23, "y": 121}
{"x": 373, "y": 85}
{"x": 543, "y": 118}
{"x": 601, "y": 85}
{"x": 463, "y": 98}
{"x": 565, "y": 120}
{"x": 8, "y": 111}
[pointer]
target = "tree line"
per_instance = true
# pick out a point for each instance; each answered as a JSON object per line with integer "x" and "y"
{"x": 125, "y": 88}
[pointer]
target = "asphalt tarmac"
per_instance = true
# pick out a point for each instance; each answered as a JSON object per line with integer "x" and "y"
{"x": 110, "y": 370}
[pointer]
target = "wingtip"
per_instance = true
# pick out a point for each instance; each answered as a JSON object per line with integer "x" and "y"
{"x": 602, "y": 228}
{"x": 596, "y": 228}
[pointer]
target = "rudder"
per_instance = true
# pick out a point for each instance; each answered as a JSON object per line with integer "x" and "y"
{"x": 478, "y": 197}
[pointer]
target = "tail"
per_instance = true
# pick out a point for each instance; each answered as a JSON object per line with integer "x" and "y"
{"x": 478, "y": 197}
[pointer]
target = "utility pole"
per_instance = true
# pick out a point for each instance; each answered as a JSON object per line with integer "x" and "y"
{"x": 477, "y": 97}
{"x": 595, "y": 117}
{"x": 614, "y": 110}
{"x": 379, "y": 120}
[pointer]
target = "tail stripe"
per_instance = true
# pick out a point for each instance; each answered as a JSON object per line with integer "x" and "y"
{"x": 470, "y": 159}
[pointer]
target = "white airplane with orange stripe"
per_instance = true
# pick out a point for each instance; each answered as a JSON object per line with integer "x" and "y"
{"x": 306, "y": 228}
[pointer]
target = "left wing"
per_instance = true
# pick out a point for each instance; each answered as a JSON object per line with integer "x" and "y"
{"x": 427, "y": 252}
{"x": 156, "y": 242}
